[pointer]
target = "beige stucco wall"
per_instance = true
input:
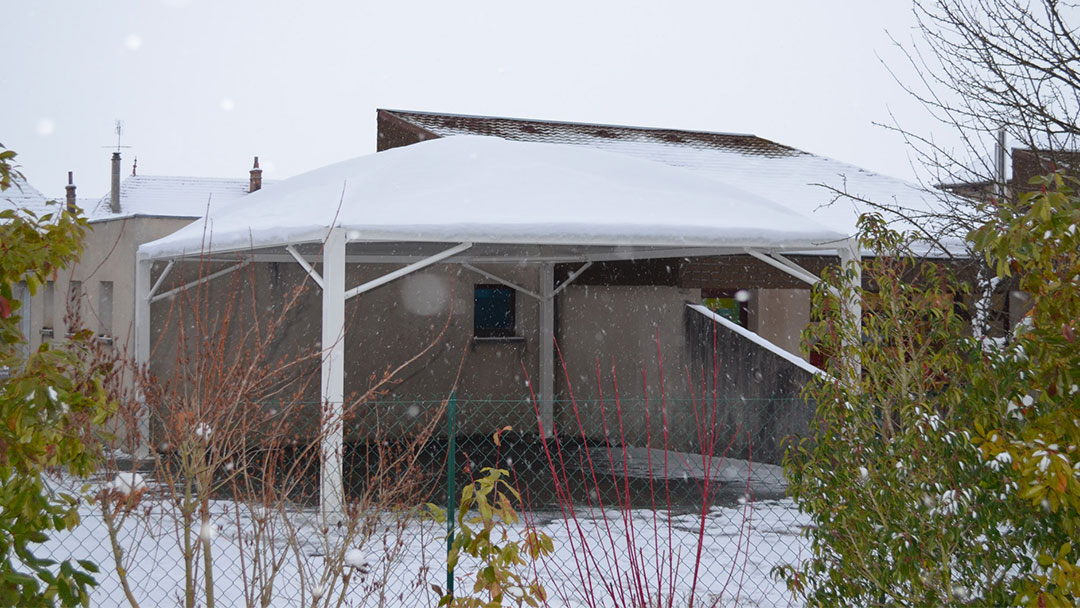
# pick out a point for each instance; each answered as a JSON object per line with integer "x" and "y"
{"x": 385, "y": 328}
{"x": 780, "y": 316}
{"x": 108, "y": 255}
{"x": 390, "y": 325}
{"x": 628, "y": 335}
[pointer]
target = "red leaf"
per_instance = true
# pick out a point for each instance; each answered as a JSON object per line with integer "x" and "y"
{"x": 5, "y": 308}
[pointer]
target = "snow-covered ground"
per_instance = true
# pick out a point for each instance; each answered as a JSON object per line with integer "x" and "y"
{"x": 740, "y": 545}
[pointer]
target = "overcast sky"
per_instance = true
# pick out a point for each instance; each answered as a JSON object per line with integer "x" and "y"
{"x": 203, "y": 86}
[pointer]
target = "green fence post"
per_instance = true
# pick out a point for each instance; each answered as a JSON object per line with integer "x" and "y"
{"x": 451, "y": 491}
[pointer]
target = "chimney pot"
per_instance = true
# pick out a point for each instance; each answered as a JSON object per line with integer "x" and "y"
{"x": 70, "y": 202}
{"x": 114, "y": 193}
{"x": 256, "y": 177}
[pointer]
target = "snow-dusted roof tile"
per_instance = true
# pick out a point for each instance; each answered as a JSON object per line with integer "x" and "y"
{"x": 21, "y": 195}
{"x": 170, "y": 196}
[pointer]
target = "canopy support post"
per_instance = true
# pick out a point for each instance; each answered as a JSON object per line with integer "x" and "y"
{"x": 851, "y": 269}
{"x": 142, "y": 348}
{"x": 331, "y": 424}
{"x": 547, "y": 348}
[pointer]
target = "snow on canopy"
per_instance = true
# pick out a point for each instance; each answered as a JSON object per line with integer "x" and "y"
{"x": 804, "y": 182}
{"x": 490, "y": 190}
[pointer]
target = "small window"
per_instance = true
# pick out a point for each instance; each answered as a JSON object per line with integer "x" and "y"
{"x": 493, "y": 311}
{"x": 105, "y": 307}
{"x": 22, "y": 294}
{"x": 48, "y": 315}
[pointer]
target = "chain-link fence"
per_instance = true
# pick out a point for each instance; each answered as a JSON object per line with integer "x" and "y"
{"x": 647, "y": 503}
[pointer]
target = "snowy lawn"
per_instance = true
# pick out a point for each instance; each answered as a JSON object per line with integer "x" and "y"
{"x": 398, "y": 564}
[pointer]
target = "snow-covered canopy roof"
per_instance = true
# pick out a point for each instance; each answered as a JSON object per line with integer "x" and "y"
{"x": 494, "y": 191}
{"x": 804, "y": 182}
{"x": 170, "y": 196}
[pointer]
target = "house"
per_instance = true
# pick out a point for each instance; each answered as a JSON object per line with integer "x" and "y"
{"x": 472, "y": 232}
{"x": 1014, "y": 172}
{"x": 97, "y": 292}
{"x": 777, "y": 303}
{"x": 23, "y": 196}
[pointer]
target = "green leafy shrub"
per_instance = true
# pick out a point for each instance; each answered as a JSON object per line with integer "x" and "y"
{"x": 1033, "y": 424}
{"x": 946, "y": 472}
{"x": 49, "y": 405}
{"x": 485, "y": 511}
{"x": 903, "y": 509}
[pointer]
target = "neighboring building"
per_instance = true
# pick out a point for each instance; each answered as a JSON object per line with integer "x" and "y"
{"x": 777, "y": 305}
{"x": 1009, "y": 304}
{"x": 22, "y": 196}
{"x": 98, "y": 290}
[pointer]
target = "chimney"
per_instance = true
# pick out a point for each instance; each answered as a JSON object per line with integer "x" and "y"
{"x": 256, "y": 177}
{"x": 114, "y": 194}
{"x": 71, "y": 193}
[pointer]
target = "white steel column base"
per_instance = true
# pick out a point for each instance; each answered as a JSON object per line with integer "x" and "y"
{"x": 547, "y": 348}
{"x": 331, "y": 424}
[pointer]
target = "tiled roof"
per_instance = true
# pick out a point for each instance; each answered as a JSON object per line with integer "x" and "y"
{"x": 168, "y": 196}
{"x": 791, "y": 177}
{"x": 445, "y": 125}
{"x": 21, "y": 195}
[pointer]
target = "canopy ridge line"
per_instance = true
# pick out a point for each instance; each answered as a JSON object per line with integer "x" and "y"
{"x": 206, "y": 279}
{"x": 570, "y": 279}
{"x": 315, "y": 276}
{"x": 438, "y": 257}
{"x": 498, "y": 279}
{"x": 161, "y": 279}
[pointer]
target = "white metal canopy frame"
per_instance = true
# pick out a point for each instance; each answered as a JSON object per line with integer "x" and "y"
{"x": 475, "y": 200}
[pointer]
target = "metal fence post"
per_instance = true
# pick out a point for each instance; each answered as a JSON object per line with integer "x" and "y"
{"x": 451, "y": 491}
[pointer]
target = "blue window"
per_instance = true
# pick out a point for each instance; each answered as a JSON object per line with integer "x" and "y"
{"x": 493, "y": 311}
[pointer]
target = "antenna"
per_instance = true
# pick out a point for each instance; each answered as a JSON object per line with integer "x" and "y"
{"x": 119, "y": 128}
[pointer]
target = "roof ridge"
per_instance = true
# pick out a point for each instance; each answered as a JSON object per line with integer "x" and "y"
{"x": 574, "y": 123}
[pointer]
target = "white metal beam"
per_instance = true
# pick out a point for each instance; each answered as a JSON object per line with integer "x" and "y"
{"x": 498, "y": 279}
{"x": 792, "y": 270}
{"x": 161, "y": 279}
{"x": 583, "y": 254}
{"x": 331, "y": 423}
{"x": 790, "y": 263}
{"x": 789, "y": 267}
{"x": 570, "y": 279}
{"x": 206, "y": 279}
{"x": 315, "y": 276}
{"x": 424, "y": 263}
